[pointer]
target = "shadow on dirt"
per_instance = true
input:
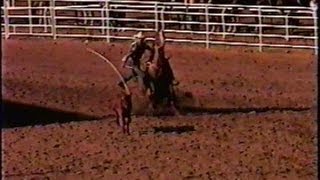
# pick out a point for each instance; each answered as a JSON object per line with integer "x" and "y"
{"x": 201, "y": 110}
{"x": 18, "y": 115}
{"x": 173, "y": 129}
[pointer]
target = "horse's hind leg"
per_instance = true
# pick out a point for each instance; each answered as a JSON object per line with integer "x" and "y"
{"x": 121, "y": 121}
{"x": 172, "y": 96}
{"x": 124, "y": 125}
{"x": 172, "y": 101}
{"x": 152, "y": 87}
{"x": 153, "y": 100}
{"x": 117, "y": 117}
{"x": 153, "y": 105}
{"x": 128, "y": 125}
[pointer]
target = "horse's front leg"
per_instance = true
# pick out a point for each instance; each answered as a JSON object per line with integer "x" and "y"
{"x": 152, "y": 99}
{"x": 173, "y": 97}
{"x": 117, "y": 117}
{"x": 172, "y": 100}
{"x": 128, "y": 124}
{"x": 151, "y": 108}
{"x": 123, "y": 123}
{"x": 152, "y": 87}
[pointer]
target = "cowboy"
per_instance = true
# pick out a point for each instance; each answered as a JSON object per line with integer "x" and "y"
{"x": 137, "y": 49}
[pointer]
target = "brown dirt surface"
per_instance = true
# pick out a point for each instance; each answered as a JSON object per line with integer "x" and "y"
{"x": 260, "y": 120}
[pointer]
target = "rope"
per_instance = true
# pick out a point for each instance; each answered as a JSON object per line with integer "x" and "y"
{"x": 112, "y": 66}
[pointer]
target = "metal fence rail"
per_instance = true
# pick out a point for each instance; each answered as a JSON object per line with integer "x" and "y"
{"x": 256, "y": 26}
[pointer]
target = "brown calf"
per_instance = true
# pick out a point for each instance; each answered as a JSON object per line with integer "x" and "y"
{"x": 123, "y": 105}
{"x": 122, "y": 109}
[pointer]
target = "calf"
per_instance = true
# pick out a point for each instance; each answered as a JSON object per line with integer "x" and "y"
{"x": 122, "y": 109}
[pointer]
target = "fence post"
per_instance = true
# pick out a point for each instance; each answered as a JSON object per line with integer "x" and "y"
{"x": 286, "y": 21}
{"x": 6, "y": 19}
{"x": 315, "y": 20}
{"x": 223, "y": 23}
{"x": 53, "y": 19}
{"x": 107, "y": 6}
{"x": 156, "y": 16}
{"x": 103, "y": 19}
{"x": 162, "y": 18}
{"x": 30, "y": 16}
{"x": 207, "y": 27}
{"x": 45, "y": 19}
{"x": 260, "y": 29}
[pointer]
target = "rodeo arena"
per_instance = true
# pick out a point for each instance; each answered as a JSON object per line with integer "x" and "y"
{"x": 169, "y": 89}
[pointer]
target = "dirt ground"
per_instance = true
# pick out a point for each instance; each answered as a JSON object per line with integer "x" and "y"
{"x": 261, "y": 122}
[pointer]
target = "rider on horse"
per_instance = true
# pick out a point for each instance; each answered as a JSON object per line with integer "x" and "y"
{"x": 159, "y": 46}
{"x": 137, "y": 49}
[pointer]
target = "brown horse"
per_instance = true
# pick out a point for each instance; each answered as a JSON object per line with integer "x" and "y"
{"x": 159, "y": 74}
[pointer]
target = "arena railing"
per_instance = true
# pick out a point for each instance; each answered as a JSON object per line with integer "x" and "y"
{"x": 119, "y": 19}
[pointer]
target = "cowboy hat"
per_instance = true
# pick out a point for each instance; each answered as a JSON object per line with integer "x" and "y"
{"x": 139, "y": 35}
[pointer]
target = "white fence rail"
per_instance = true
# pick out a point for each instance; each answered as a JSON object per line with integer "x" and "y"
{"x": 256, "y": 26}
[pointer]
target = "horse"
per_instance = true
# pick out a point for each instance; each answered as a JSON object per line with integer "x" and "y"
{"x": 160, "y": 75}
